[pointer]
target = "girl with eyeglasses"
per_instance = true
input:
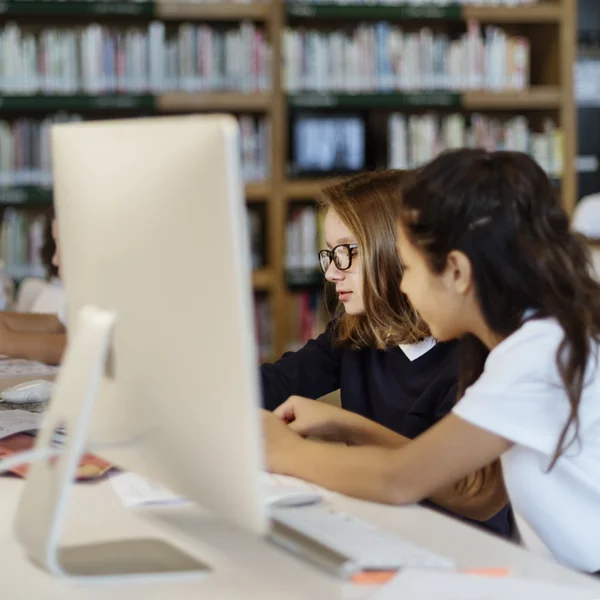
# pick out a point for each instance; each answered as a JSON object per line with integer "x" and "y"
{"x": 376, "y": 350}
{"x": 488, "y": 257}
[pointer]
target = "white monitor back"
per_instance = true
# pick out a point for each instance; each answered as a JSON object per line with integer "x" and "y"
{"x": 152, "y": 226}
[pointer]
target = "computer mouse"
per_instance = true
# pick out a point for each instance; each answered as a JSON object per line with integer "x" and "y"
{"x": 30, "y": 391}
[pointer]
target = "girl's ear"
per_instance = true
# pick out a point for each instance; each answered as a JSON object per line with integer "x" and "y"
{"x": 458, "y": 273}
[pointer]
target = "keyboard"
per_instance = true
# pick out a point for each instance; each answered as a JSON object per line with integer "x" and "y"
{"x": 346, "y": 545}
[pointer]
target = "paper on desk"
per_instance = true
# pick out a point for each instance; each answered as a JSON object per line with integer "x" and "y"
{"x": 17, "y": 421}
{"x": 135, "y": 491}
{"x": 420, "y": 585}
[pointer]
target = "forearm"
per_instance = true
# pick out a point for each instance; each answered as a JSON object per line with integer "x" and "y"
{"x": 359, "y": 472}
{"x": 33, "y": 323}
{"x": 360, "y": 431}
{"x": 379, "y": 474}
{"x": 44, "y": 347}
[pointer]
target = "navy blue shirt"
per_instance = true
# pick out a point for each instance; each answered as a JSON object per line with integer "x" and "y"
{"x": 382, "y": 385}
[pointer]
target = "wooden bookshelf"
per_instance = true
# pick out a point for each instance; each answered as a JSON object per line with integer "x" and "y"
{"x": 305, "y": 189}
{"x": 168, "y": 102}
{"x": 259, "y": 191}
{"x": 547, "y": 12}
{"x": 41, "y": 196}
{"x": 213, "y": 101}
{"x": 549, "y": 24}
{"x": 161, "y": 9}
{"x": 77, "y": 103}
{"x": 262, "y": 280}
{"x": 216, "y": 11}
{"x": 25, "y": 196}
{"x": 544, "y": 12}
{"x": 536, "y": 98}
{"x": 75, "y": 8}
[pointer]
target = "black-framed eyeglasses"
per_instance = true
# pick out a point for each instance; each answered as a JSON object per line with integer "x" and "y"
{"x": 340, "y": 255}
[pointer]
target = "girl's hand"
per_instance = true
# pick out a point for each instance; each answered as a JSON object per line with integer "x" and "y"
{"x": 310, "y": 418}
{"x": 282, "y": 444}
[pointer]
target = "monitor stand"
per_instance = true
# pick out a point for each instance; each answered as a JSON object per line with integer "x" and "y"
{"x": 42, "y": 510}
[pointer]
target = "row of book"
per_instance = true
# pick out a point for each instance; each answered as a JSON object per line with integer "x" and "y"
{"x": 416, "y": 139}
{"x": 97, "y": 59}
{"x": 263, "y": 321}
{"x": 25, "y": 149}
{"x": 383, "y": 57}
{"x": 304, "y": 237}
{"x": 256, "y": 235}
{"x": 21, "y": 240}
{"x": 308, "y": 318}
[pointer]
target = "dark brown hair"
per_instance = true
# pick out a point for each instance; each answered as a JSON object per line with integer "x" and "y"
{"x": 366, "y": 203}
{"x": 501, "y": 211}
{"x": 48, "y": 247}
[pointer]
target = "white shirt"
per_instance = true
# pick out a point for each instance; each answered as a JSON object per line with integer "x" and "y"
{"x": 586, "y": 216}
{"x": 418, "y": 349}
{"x": 52, "y": 300}
{"x": 520, "y": 397}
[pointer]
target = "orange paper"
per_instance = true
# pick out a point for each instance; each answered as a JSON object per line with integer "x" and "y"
{"x": 90, "y": 466}
{"x": 381, "y": 577}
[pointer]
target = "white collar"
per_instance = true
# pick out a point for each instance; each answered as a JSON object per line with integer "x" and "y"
{"x": 414, "y": 351}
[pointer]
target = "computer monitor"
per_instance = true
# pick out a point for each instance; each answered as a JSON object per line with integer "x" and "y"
{"x": 161, "y": 367}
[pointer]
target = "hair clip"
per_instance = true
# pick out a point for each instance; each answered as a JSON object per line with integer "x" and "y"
{"x": 480, "y": 223}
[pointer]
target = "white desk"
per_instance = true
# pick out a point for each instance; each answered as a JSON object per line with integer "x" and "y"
{"x": 249, "y": 569}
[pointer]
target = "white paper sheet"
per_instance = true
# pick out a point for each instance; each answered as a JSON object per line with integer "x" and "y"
{"x": 428, "y": 585}
{"x": 135, "y": 491}
{"x": 17, "y": 421}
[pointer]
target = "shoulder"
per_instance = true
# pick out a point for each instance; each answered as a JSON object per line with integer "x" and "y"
{"x": 531, "y": 348}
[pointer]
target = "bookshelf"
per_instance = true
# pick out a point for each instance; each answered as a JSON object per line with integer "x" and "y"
{"x": 548, "y": 25}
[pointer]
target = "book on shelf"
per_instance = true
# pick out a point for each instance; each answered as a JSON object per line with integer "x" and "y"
{"x": 25, "y": 149}
{"x": 383, "y": 57}
{"x": 308, "y": 318}
{"x": 105, "y": 59}
{"x": 326, "y": 143}
{"x": 416, "y": 139}
{"x": 304, "y": 238}
{"x": 256, "y": 234}
{"x": 264, "y": 327}
{"x": 255, "y": 146}
{"x": 21, "y": 241}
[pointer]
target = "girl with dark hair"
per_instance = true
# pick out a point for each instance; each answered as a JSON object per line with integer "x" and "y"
{"x": 376, "y": 350}
{"x": 488, "y": 258}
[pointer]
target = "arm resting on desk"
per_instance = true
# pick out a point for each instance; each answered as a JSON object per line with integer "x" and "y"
{"x": 33, "y": 337}
{"x": 31, "y": 323}
{"x": 454, "y": 464}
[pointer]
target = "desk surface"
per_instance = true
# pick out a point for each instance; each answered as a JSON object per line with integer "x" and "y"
{"x": 245, "y": 568}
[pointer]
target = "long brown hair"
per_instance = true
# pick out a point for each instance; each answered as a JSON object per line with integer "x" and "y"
{"x": 366, "y": 203}
{"x": 500, "y": 210}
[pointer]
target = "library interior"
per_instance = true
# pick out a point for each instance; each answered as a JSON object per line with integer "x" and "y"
{"x": 274, "y": 277}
